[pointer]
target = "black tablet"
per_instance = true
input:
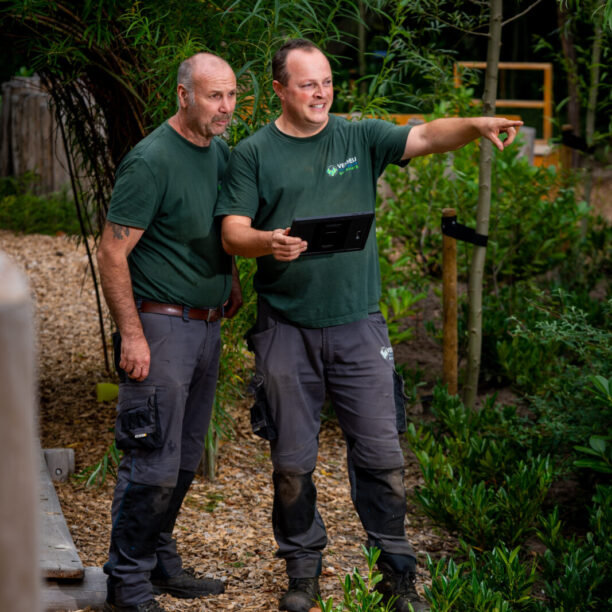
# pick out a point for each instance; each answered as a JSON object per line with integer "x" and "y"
{"x": 333, "y": 234}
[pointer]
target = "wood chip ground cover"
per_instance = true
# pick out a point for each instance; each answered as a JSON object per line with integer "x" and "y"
{"x": 224, "y": 528}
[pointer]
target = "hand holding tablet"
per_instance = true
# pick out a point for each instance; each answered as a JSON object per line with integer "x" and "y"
{"x": 333, "y": 233}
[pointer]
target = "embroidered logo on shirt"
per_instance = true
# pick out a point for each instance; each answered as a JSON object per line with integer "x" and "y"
{"x": 339, "y": 169}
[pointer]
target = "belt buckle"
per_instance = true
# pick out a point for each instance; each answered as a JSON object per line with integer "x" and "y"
{"x": 210, "y": 314}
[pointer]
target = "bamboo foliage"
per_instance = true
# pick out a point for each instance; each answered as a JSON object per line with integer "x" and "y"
{"x": 110, "y": 66}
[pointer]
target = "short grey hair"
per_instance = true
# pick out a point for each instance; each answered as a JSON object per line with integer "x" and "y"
{"x": 184, "y": 77}
{"x": 187, "y": 68}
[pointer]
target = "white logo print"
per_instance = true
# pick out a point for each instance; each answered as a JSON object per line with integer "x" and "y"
{"x": 386, "y": 352}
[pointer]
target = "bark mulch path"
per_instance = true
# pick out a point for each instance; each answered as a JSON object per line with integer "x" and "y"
{"x": 224, "y": 528}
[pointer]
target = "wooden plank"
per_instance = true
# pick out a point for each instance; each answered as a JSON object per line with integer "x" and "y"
{"x": 505, "y": 103}
{"x": 19, "y": 580}
{"x": 58, "y": 554}
{"x": 90, "y": 592}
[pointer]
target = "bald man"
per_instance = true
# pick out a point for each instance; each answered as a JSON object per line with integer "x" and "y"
{"x": 167, "y": 282}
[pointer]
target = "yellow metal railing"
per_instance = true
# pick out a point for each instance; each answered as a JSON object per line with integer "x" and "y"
{"x": 546, "y": 103}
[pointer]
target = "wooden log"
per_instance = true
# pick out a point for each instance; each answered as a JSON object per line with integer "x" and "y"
{"x": 58, "y": 556}
{"x": 90, "y": 592}
{"x": 449, "y": 308}
{"x": 19, "y": 576}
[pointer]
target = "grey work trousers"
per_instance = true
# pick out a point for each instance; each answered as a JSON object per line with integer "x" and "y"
{"x": 354, "y": 364}
{"x": 161, "y": 427}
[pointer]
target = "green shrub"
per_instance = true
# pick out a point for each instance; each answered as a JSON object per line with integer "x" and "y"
{"x": 508, "y": 358}
{"x": 600, "y": 454}
{"x": 487, "y": 471}
{"x": 534, "y": 221}
{"x": 401, "y": 283}
{"x": 494, "y": 580}
{"x": 577, "y": 571}
{"x": 360, "y": 595}
{"x": 570, "y": 404}
{"x": 481, "y": 481}
{"x": 21, "y": 210}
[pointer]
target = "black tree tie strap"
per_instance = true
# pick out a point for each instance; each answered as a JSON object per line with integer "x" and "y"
{"x": 451, "y": 228}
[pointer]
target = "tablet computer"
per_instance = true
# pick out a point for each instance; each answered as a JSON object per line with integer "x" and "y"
{"x": 334, "y": 233}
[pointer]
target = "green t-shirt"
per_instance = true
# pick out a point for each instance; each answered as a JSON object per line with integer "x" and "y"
{"x": 273, "y": 178}
{"x": 168, "y": 186}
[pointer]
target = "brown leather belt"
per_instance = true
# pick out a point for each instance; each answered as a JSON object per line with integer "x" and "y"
{"x": 208, "y": 314}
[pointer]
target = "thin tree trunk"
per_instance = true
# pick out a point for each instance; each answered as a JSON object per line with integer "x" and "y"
{"x": 590, "y": 118}
{"x": 594, "y": 83}
{"x": 483, "y": 210}
{"x": 571, "y": 67}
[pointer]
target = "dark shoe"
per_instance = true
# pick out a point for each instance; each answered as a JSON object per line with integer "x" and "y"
{"x": 147, "y": 606}
{"x": 186, "y": 585}
{"x": 301, "y": 595}
{"x": 402, "y": 587}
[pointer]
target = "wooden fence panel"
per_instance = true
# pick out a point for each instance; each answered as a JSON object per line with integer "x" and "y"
{"x": 30, "y": 139}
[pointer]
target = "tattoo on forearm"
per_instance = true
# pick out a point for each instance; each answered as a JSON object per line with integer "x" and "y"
{"x": 119, "y": 231}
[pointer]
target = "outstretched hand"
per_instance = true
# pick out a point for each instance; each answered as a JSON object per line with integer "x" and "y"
{"x": 492, "y": 127}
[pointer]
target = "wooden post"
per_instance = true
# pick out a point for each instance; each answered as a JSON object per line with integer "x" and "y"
{"x": 19, "y": 575}
{"x": 449, "y": 308}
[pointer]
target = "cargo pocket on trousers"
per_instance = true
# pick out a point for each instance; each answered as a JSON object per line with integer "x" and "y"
{"x": 137, "y": 426}
{"x": 400, "y": 402}
{"x": 262, "y": 423}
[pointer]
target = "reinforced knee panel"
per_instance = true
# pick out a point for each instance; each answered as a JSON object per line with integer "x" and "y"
{"x": 294, "y": 505}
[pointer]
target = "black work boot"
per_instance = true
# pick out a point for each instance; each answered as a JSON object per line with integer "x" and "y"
{"x": 301, "y": 596}
{"x": 402, "y": 587}
{"x": 147, "y": 606}
{"x": 186, "y": 585}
